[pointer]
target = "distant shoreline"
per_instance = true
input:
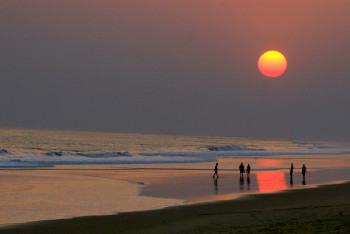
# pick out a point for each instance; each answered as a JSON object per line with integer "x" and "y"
{"x": 325, "y": 208}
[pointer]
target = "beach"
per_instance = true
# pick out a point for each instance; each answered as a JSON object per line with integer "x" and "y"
{"x": 49, "y": 175}
{"x": 65, "y": 192}
{"x": 313, "y": 210}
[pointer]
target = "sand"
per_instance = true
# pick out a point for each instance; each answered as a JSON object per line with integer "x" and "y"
{"x": 72, "y": 191}
{"x": 323, "y": 209}
{"x": 33, "y": 195}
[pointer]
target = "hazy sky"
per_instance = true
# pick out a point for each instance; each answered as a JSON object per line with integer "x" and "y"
{"x": 176, "y": 66}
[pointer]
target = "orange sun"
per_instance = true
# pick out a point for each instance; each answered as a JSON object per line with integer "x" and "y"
{"x": 272, "y": 63}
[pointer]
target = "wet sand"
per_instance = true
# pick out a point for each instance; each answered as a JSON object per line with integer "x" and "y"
{"x": 71, "y": 191}
{"x": 325, "y": 209}
{"x": 32, "y": 195}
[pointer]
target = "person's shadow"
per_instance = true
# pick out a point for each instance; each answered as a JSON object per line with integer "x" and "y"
{"x": 304, "y": 182}
{"x": 216, "y": 185}
{"x": 241, "y": 182}
{"x": 248, "y": 183}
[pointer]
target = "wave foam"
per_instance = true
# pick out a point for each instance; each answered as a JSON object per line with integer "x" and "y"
{"x": 101, "y": 155}
{"x": 10, "y": 159}
{"x": 50, "y": 159}
{"x": 232, "y": 148}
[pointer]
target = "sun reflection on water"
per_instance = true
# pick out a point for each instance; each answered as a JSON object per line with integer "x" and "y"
{"x": 269, "y": 182}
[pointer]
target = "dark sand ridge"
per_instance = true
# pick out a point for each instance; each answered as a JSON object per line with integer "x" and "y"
{"x": 322, "y": 209}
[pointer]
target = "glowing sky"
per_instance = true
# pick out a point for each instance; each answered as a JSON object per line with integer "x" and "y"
{"x": 178, "y": 66}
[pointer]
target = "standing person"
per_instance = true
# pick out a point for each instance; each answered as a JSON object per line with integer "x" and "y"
{"x": 303, "y": 171}
{"x": 216, "y": 171}
{"x": 241, "y": 169}
{"x": 291, "y": 170}
{"x": 248, "y": 169}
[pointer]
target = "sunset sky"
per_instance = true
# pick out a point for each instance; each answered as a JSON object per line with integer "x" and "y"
{"x": 176, "y": 66}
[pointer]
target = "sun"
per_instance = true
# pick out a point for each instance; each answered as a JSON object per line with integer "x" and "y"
{"x": 272, "y": 63}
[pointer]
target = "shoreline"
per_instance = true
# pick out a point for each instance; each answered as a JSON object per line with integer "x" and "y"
{"x": 252, "y": 212}
{"x": 120, "y": 190}
{"x": 68, "y": 191}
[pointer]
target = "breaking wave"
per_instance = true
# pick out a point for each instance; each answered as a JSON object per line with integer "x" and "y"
{"x": 232, "y": 148}
{"x": 12, "y": 159}
{"x": 101, "y": 155}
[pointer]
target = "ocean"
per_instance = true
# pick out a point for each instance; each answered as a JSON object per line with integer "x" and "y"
{"x": 35, "y": 148}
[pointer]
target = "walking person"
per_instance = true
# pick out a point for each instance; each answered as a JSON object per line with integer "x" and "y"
{"x": 216, "y": 171}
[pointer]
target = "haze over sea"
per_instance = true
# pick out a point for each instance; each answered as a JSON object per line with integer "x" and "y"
{"x": 53, "y": 174}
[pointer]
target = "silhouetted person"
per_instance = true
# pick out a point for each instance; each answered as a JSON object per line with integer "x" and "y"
{"x": 216, "y": 171}
{"x": 291, "y": 170}
{"x": 248, "y": 169}
{"x": 303, "y": 171}
{"x": 241, "y": 169}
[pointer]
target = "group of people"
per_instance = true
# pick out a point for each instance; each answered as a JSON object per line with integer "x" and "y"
{"x": 241, "y": 170}
{"x": 303, "y": 170}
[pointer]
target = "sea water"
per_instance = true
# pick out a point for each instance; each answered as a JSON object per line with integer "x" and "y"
{"x": 29, "y": 148}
